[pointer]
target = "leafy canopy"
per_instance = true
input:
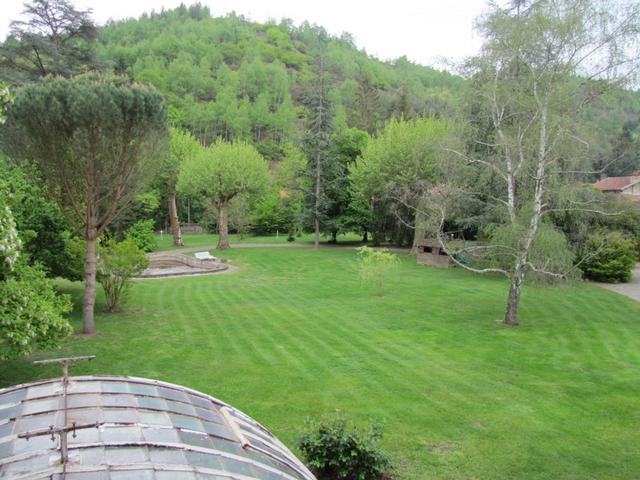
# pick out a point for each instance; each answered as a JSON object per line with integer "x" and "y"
{"x": 224, "y": 170}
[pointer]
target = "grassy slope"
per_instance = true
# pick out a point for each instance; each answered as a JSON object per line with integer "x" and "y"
{"x": 294, "y": 335}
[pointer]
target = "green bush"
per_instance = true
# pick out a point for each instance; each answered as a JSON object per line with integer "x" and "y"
{"x": 31, "y": 312}
{"x": 337, "y": 450}
{"x": 609, "y": 257}
{"x": 117, "y": 262}
{"x": 143, "y": 235}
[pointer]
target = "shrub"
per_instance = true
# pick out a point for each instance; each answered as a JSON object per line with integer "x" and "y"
{"x": 116, "y": 264}
{"x": 338, "y": 450}
{"x": 609, "y": 257}
{"x": 143, "y": 235}
{"x": 31, "y": 312}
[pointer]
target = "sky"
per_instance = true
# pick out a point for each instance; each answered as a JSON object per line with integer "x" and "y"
{"x": 430, "y": 32}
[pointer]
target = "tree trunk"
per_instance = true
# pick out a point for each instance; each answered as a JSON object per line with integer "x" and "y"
{"x": 418, "y": 236}
{"x": 512, "y": 313}
{"x": 175, "y": 223}
{"x": 223, "y": 226}
{"x": 365, "y": 236}
{"x": 316, "y": 209}
{"x": 89, "y": 300}
{"x": 420, "y": 229}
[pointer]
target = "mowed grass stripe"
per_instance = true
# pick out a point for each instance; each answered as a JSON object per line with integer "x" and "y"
{"x": 294, "y": 334}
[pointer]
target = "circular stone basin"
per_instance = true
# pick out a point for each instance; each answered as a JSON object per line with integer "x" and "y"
{"x": 169, "y": 264}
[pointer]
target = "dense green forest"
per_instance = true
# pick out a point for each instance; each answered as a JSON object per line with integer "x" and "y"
{"x": 232, "y": 78}
{"x": 237, "y": 79}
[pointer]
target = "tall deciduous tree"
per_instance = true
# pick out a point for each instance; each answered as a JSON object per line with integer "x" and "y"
{"x": 404, "y": 156}
{"x": 91, "y": 137}
{"x": 220, "y": 173}
{"x": 538, "y": 64}
{"x": 56, "y": 39}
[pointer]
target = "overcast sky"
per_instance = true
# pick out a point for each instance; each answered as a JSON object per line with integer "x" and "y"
{"x": 423, "y": 30}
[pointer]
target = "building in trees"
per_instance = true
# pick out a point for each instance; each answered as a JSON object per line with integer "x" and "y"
{"x": 623, "y": 186}
{"x": 431, "y": 253}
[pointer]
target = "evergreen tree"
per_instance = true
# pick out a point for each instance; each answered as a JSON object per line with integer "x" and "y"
{"x": 92, "y": 136}
{"x": 321, "y": 162}
{"x": 367, "y": 113}
{"x": 56, "y": 39}
{"x": 626, "y": 152}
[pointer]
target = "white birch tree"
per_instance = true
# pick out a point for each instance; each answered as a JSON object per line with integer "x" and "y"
{"x": 541, "y": 62}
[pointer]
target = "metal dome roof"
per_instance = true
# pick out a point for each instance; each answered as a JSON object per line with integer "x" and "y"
{"x": 133, "y": 428}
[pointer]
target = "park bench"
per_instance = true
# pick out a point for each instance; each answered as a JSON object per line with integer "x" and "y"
{"x": 204, "y": 256}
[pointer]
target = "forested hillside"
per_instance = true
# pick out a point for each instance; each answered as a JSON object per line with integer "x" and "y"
{"x": 236, "y": 79}
{"x": 232, "y": 78}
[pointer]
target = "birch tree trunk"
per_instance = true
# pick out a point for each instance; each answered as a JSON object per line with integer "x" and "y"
{"x": 175, "y": 223}
{"x": 223, "y": 225}
{"x": 512, "y": 313}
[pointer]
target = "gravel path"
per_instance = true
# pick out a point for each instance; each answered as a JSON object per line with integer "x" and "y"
{"x": 631, "y": 289}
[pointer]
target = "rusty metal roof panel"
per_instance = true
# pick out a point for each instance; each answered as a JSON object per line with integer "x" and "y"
{"x": 126, "y": 427}
{"x": 616, "y": 184}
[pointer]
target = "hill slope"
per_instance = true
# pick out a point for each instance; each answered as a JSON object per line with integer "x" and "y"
{"x": 234, "y": 78}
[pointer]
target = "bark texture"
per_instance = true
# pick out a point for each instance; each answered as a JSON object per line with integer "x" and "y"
{"x": 223, "y": 226}
{"x": 175, "y": 223}
{"x": 89, "y": 300}
{"x": 512, "y": 312}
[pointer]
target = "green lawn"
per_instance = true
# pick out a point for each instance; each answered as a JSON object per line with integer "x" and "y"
{"x": 165, "y": 242}
{"x": 293, "y": 335}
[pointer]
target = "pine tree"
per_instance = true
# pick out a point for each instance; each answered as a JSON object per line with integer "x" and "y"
{"x": 317, "y": 144}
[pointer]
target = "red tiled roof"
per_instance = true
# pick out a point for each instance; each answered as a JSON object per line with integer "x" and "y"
{"x": 616, "y": 183}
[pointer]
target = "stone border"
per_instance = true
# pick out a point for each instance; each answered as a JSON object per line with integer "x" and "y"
{"x": 172, "y": 261}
